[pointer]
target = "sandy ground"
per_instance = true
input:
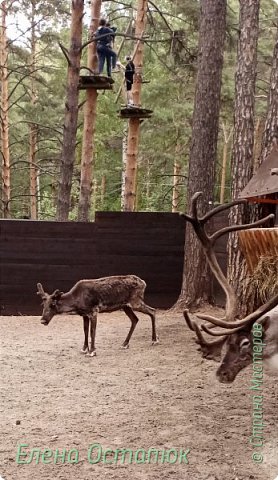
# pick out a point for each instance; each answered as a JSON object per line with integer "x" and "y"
{"x": 163, "y": 397}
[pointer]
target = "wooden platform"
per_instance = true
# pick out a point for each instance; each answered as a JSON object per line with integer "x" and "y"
{"x": 128, "y": 111}
{"x": 97, "y": 82}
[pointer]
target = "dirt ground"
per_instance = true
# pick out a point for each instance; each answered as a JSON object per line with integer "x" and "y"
{"x": 163, "y": 397}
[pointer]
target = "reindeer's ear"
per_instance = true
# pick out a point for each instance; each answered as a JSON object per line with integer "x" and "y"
{"x": 57, "y": 295}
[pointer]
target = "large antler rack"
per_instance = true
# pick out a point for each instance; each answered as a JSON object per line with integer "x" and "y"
{"x": 208, "y": 241}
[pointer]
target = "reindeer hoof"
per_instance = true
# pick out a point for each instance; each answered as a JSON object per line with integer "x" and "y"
{"x": 124, "y": 347}
{"x": 155, "y": 342}
{"x": 91, "y": 354}
{"x": 84, "y": 350}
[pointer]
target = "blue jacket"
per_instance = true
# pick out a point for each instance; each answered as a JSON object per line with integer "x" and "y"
{"x": 109, "y": 34}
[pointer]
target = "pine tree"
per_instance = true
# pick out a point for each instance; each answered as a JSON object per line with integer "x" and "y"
{"x": 243, "y": 140}
{"x": 89, "y": 126}
{"x": 4, "y": 111}
{"x": 271, "y": 124}
{"x": 73, "y": 56}
{"x": 195, "y": 287}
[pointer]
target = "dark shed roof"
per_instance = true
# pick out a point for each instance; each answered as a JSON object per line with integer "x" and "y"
{"x": 265, "y": 181}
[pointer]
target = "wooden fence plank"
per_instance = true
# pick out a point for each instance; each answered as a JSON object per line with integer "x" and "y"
{"x": 57, "y": 254}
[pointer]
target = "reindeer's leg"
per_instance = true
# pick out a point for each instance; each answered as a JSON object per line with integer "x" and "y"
{"x": 134, "y": 319}
{"x": 143, "y": 308}
{"x": 86, "y": 322}
{"x": 93, "y": 323}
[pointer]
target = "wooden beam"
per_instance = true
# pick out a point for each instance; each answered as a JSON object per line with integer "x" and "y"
{"x": 263, "y": 200}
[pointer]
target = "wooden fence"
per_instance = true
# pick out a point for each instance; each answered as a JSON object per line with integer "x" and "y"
{"x": 57, "y": 254}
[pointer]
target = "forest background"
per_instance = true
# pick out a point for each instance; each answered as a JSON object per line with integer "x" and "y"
{"x": 37, "y": 81}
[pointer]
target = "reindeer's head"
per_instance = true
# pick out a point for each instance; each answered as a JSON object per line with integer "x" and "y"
{"x": 50, "y": 304}
{"x": 239, "y": 339}
{"x": 238, "y": 356}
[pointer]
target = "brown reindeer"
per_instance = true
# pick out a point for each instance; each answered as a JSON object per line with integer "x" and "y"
{"x": 237, "y": 335}
{"x": 90, "y": 297}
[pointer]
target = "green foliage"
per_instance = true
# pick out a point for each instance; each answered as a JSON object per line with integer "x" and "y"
{"x": 169, "y": 67}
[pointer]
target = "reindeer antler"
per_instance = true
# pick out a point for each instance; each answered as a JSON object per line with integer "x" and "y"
{"x": 252, "y": 318}
{"x": 208, "y": 242}
{"x": 41, "y": 291}
{"x": 210, "y": 350}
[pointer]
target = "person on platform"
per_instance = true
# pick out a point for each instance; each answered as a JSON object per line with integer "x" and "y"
{"x": 129, "y": 75}
{"x": 112, "y": 42}
{"x": 105, "y": 51}
{"x": 129, "y": 72}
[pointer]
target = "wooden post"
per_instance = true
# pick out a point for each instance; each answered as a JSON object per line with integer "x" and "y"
{"x": 4, "y": 124}
{"x": 87, "y": 162}
{"x": 134, "y": 123}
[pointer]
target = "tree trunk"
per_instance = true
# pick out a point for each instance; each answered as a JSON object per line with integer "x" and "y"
{"x": 71, "y": 112}
{"x": 195, "y": 287}
{"x": 33, "y": 130}
{"x": 269, "y": 135}
{"x": 131, "y": 164}
{"x": 4, "y": 124}
{"x": 259, "y": 131}
{"x": 243, "y": 141}
{"x": 140, "y": 25}
{"x": 271, "y": 124}
{"x": 176, "y": 181}
{"x": 124, "y": 153}
{"x": 224, "y": 163}
{"x": 103, "y": 190}
{"x": 33, "y": 135}
{"x": 94, "y": 197}
{"x": 87, "y": 163}
{"x": 134, "y": 123}
{"x": 148, "y": 184}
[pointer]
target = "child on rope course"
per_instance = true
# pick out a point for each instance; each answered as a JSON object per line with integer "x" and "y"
{"x": 129, "y": 70}
{"x": 129, "y": 75}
